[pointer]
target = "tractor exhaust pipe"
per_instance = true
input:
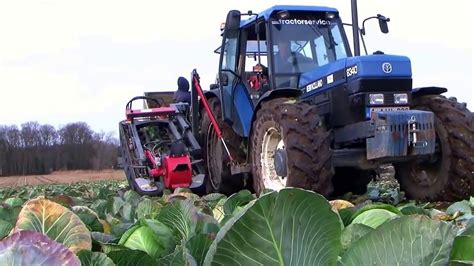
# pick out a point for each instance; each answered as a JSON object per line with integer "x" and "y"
{"x": 355, "y": 27}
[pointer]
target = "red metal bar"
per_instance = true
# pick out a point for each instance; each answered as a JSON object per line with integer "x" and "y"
{"x": 206, "y": 106}
{"x": 210, "y": 114}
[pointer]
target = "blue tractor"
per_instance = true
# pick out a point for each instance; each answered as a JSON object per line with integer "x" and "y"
{"x": 298, "y": 108}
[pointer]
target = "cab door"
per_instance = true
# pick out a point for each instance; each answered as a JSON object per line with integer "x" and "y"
{"x": 228, "y": 64}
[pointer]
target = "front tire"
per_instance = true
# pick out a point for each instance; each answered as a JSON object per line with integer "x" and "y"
{"x": 449, "y": 175}
{"x": 290, "y": 147}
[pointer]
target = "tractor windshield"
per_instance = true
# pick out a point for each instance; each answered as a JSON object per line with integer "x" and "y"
{"x": 303, "y": 42}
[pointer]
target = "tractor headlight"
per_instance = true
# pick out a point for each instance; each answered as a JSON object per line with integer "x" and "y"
{"x": 375, "y": 99}
{"x": 400, "y": 98}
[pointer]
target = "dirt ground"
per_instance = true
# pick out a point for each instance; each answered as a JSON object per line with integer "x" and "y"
{"x": 62, "y": 177}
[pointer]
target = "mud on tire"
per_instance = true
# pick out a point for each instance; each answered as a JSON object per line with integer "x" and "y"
{"x": 450, "y": 174}
{"x": 219, "y": 177}
{"x": 306, "y": 141}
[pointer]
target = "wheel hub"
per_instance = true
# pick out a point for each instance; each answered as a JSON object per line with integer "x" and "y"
{"x": 273, "y": 160}
{"x": 280, "y": 162}
{"x": 216, "y": 161}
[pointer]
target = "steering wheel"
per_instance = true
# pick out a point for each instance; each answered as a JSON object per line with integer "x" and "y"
{"x": 232, "y": 72}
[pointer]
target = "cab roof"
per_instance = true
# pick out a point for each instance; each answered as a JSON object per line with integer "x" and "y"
{"x": 268, "y": 12}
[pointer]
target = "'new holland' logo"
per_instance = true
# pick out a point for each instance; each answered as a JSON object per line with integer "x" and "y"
{"x": 387, "y": 68}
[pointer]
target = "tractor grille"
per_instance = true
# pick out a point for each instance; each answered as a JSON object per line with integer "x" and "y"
{"x": 385, "y": 85}
{"x": 403, "y": 128}
{"x": 389, "y": 98}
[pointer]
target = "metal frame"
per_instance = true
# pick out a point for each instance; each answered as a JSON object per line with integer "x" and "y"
{"x": 133, "y": 155}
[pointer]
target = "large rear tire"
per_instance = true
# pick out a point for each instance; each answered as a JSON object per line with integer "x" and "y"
{"x": 219, "y": 177}
{"x": 290, "y": 147}
{"x": 449, "y": 175}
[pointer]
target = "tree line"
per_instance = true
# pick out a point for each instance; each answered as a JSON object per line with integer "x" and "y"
{"x": 33, "y": 148}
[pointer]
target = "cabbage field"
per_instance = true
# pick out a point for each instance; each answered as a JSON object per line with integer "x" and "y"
{"x": 102, "y": 223}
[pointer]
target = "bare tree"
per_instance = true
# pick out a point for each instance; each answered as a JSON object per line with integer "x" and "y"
{"x": 13, "y": 149}
{"x": 76, "y": 143}
{"x": 40, "y": 149}
{"x": 3, "y": 149}
{"x": 48, "y": 146}
{"x": 48, "y": 135}
{"x": 105, "y": 146}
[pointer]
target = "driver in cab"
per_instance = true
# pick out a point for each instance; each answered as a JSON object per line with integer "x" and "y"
{"x": 286, "y": 60}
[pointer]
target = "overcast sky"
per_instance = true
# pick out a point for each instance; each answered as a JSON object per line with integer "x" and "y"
{"x": 65, "y": 61}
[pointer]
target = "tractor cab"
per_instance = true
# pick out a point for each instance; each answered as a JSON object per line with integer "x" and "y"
{"x": 270, "y": 50}
{"x": 304, "y": 41}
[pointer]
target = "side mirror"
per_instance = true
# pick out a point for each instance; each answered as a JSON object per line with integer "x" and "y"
{"x": 383, "y": 23}
{"x": 233, "y": 20}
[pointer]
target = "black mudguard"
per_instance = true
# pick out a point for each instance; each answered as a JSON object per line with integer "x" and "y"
{"x": 416, "y": 92}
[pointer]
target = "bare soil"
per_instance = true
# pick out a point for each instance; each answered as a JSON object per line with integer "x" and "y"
{"x": 65, "y": 177}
